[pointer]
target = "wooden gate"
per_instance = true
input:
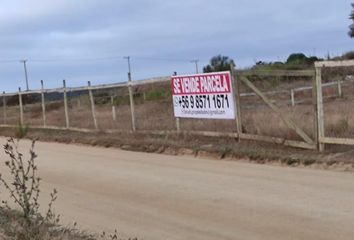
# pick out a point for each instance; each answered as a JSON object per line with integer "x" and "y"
{"x": 244, "y": 77}
{"x": 322, "y": 139}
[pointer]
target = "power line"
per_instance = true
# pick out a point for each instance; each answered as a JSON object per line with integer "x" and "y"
{"x": 44, "y": 60}
{"x": 8, "y": 61}
{"x": 129, "y": 68}
{"x": 25, "y": 68}
{"x": 110, "y": 58}
{"x": 162, "y": 59}
{"x": 196, "y": 65}
{"x": 77, "y": 59}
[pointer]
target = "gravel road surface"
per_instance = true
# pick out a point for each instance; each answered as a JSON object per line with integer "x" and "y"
{"x": 157, "y": 197}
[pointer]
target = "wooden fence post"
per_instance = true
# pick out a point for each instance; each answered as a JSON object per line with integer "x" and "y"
{"x": 67, "y": 124}
{"x": 237, "y": 101}
{"x": 292, "y": 96}
{"x": 339, "y": 85}
{"x": 43, "y": 104}
{"x": 314, "y": 103}
{"x": 178, "y": 125}
{"x": 4, "y": 107}
{"x": 92, "y": 105}
{"x": 78, "y": 102}
{"x": 21, "y": 106}
{"x": 131, "y": 99}
{"x": 114, "y": 114}
{"x": 178, "y": 120}
{"x": 320, "y": 131}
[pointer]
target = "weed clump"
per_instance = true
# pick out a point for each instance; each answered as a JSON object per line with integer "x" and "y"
{"x": 23, "y": 187}
{"x": 21, "y": 131}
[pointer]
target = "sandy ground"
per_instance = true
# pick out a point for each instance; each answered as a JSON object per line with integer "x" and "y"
{"x": 154, "y": 196}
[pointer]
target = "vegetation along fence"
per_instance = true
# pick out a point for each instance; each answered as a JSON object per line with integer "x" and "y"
{"x": 284, "y": 107}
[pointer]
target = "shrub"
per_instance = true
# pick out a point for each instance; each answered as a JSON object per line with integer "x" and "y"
{"x": 348, "y": 55}
{"x": 24, "y": 190}
{"x": 23, "y": 186}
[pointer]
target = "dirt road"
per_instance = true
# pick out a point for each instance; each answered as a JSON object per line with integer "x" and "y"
{"x": 155, "y": 196}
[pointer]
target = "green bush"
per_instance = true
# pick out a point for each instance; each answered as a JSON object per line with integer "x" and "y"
{"x": 157, "y": 94}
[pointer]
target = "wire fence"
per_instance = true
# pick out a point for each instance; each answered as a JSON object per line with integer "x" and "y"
{"x": 109, "y": 108}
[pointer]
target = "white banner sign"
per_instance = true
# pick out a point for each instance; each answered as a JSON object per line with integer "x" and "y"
{"x": 207, "y": 95}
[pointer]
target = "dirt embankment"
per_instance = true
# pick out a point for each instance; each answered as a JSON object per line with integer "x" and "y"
{"x": 336, "y": 157}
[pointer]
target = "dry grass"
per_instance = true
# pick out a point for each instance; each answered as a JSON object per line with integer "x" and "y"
{"x": 265, "y": 122}
{"x": 10, "y": 219}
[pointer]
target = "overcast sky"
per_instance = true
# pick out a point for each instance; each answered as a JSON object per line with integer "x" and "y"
{"x": 81, "y": 40}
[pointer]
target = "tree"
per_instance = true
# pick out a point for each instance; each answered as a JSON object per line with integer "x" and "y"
{"x": 296, "y": 58}
{"x": 348, "y": 55}
{"x": 300, "y": 59}
{"x": 351, "y": 27}
{"x": 219, "y": 63}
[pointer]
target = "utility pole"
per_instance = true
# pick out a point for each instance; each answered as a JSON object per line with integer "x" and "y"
{"x": 131, "y": 96}
{"x": 196, "y": 65}
{"x": 26, "y": 76}
{"x": 129, "y": 69}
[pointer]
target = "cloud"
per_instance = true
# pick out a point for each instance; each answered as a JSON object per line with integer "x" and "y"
{"x": 159, "y": 34}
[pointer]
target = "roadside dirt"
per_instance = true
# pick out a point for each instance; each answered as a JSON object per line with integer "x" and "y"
{"x": 336, "y": 157}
